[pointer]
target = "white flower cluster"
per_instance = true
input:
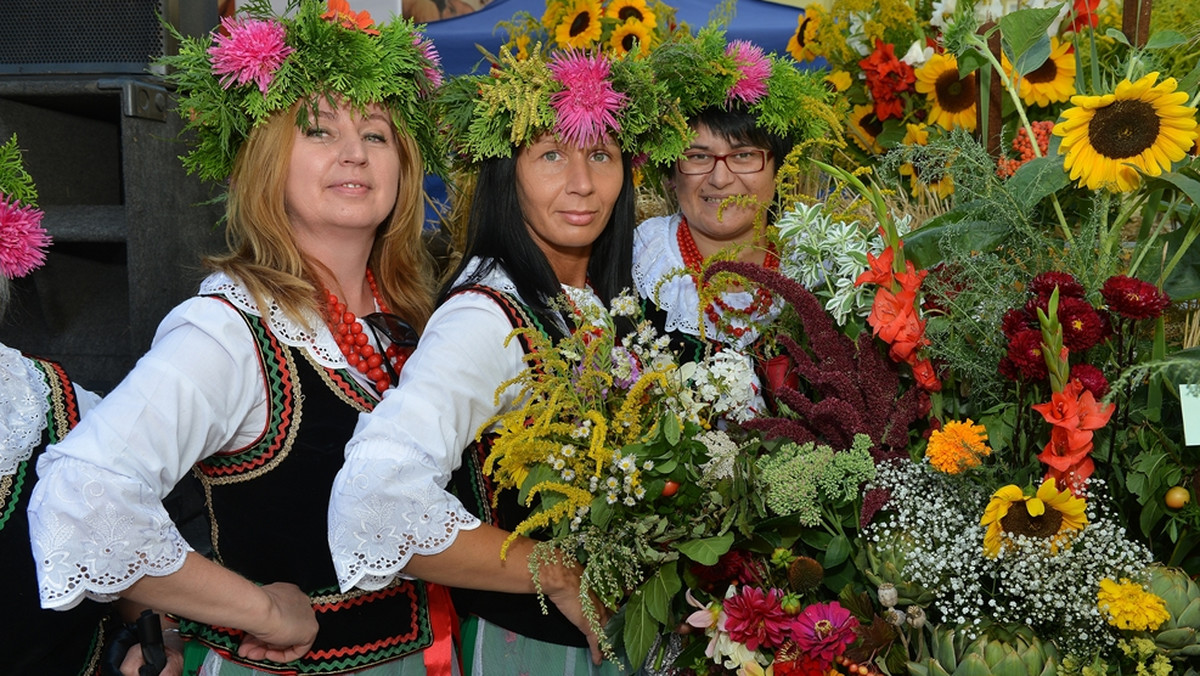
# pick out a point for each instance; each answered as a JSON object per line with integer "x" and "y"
{"x": 722, "y": 452}
{"x": 931, "y": 531}
{"x": 722, "y": 383}
{"x": 827, "y": 255}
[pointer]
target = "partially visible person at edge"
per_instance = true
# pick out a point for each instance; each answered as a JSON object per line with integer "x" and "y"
{"x": 724, "y": 183}
{"x": 550, "y": 227}
{"x": 319, "y": 121}
{"x": 39, "y": 405}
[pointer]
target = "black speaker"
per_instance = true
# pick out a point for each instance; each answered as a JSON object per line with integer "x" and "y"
{"x": 46, "y": 37}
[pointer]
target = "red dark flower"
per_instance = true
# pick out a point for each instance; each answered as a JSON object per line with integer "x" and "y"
{"x": 1008, "y": 369}
{"x": 1091, "y": 378}
{"x": 734, "y": 567}
{"x": 755, "y": 618}
{"x": 1025, "y": 352}
{"x": 824, "y": 630}
{"x": 1081, "y": 324}
{"x": 1015, "y": 321}
{"x": 873, "y": 500}
{"x": 1044, "y": 284}
{"x": 1134, "y": 299}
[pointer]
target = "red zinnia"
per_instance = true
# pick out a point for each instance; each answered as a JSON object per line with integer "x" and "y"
{"x": 1134, "y": 299}
{"x": 824, "y": 630}
{"x": 1025, "y": 352}
{"x": 1044, "y": 284}
{"x": 1082, "y": 325}
{"x": 1091, "y": 378}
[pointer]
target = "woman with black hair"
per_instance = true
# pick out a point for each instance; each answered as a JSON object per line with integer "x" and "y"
{"x": 550, "y": 228}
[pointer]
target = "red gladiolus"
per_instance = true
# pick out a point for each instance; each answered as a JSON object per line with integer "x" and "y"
{"x": 926, "y": 376}
{"x": 1075, "y": 414}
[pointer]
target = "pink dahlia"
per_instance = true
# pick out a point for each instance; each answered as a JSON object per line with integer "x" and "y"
{"x": 587, "y": 106}
{"x": 23, "y": 241}
{"x": 1134, "y": 299}
{"x": 249, "y": 49}
{"x": 433, "y": 71}
{"x": 753, "y": 71}
{"x": 755, "y": 618}
{"x": 824, "y": 630}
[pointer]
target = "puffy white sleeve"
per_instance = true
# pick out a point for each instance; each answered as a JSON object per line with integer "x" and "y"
{"x": 96, "y": 518}
{"x": 389, "y": 501}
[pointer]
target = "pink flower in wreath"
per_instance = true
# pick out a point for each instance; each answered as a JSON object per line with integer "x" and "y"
{"x": 587, "y": 106}
{"x": 23, "y": 241}
{"x": 753, "y": 71}
{"x": 823, "y": 631}
{"x": 249, "y": 50}
{"x": 755, "y": 618}
{"x": 433, "y": 71}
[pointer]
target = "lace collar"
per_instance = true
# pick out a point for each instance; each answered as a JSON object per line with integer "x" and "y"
{"x": 319, "y": 343}
{"x": 24, "y": 403}
{"x": 657, "y": 266}
{"x": 497, "y": 278}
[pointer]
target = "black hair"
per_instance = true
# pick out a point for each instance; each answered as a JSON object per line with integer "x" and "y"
{"x": 497, "y": 234}
{"x": 737, "y": 125}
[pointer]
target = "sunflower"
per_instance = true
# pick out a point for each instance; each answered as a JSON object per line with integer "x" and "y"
{"x": 1141, "y": 126}
{"x": 580, "y": 26}
{"x": 803, "y": 43}
{"x": 918, "y": 135}
{"x": 865, "y": 129}
{"x": 838, "y": 80}
{"x": 629, "y": 36}
{"x": 1050, "y": 515}
{"x": 1051, "y": 82}
{"x": 952, "y": 97}
{"x": 631, "y": 10}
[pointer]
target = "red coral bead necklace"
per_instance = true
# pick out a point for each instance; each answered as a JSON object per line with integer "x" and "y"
{"x": 356, "y": 345}
{"x": 694, "y": 262}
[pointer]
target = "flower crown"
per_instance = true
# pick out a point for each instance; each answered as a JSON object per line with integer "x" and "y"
{"x": 704, "y": 71}
{"x": 259, "y": 63}
{"x": 579, "y": 96}
{"x": 23, "y": 240}
{"x": 616, "y": 26}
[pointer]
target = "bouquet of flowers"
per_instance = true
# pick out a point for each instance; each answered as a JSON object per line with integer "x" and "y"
{"x": 625, "y": 455}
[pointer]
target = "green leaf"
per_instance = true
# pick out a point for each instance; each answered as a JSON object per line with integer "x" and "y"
{"x": 1022, "y": 29}
{"x": 1037, "y": 179}
{"x": 1118, "y": 36}
{"x": 1165, "y": 39}
{"x": 970, "y": 61}
{"x": 706, "y": 551}
{"x": 540, "y": 472}
{"x": 923, "y": 246}
{"x": 671, "y": 428}
{"x": 601, "y": 512}
{"x": 658, "y": 592}
{"x": 640, "y": 630}
{"x": 838, "y": 551}
{"x": 1034, "y": 57}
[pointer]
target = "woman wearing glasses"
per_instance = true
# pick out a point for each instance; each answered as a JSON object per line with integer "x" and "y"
{"x": 255, "y": 385}
{"x": 747, "y": 112}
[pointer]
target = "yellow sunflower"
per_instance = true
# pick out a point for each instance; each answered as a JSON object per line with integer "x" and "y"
{"x": 580, "y": 26}
{"x": 952, "y": 97}
{"x": 553, "y": 14}
{"x": 839, "y": 80}
{"x": 635, "y": 10}
{"x": 803, "y": 43}
{"x": 865, "y": 129}
{"x": 918, "y": 135}
{"x": 1051, "y": 514}
{"x": 1051, "y": 82}
{"x": 629, "y": 36}
{"x": 1141, "y": 126}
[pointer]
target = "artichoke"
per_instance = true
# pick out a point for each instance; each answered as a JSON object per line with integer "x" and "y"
{"x": 1178, "y": 637}
{"x": 1012, "y": 651}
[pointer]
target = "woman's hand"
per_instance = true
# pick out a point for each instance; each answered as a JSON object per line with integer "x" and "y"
{"x": 560, "y": 583}
{"x": 289, "y": 629}
{"x": 172, "y": 646}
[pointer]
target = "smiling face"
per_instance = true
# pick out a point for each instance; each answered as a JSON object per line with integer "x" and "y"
{"x": 567, "y": 195}
{"x": 344, "y": 172}
{"x": 701, "y": 195}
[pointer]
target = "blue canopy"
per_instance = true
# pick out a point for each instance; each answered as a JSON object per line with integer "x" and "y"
{"x": 769, "y": 25}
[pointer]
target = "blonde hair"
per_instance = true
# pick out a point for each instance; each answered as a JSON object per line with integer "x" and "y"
{"x": 262, "y": 250}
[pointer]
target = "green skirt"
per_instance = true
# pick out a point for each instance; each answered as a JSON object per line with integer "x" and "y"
{"x": 490, "y": 650}
{"x": 200, "y": 661}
